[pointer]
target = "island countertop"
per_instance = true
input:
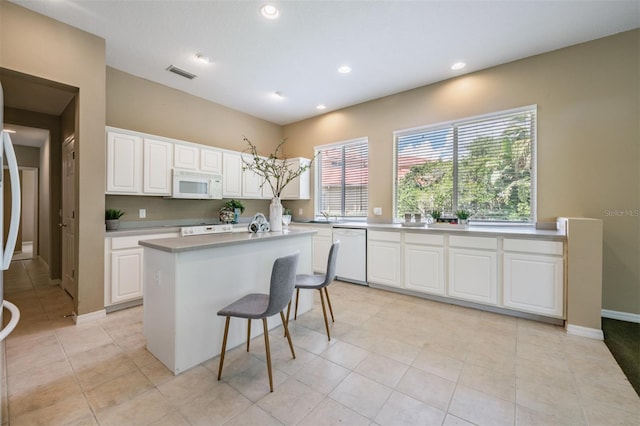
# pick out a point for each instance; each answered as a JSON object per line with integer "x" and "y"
{"x": 199, "y": 242}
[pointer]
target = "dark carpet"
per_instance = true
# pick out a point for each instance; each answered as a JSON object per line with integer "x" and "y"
{"x": 623, "y": 340}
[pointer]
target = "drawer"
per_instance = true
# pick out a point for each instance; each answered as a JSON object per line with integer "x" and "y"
{"x": 393, "y": 237}
{"x": 473, "y": 242}
{"x": 420, "y": 238}
{"x": 553, "y": 248}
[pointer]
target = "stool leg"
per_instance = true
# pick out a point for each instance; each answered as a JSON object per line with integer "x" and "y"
{"x": 248, "y": 334}
{"x": 288, "y": 311}
{"x": 295, "y": 312}
{"x": 286, "y": 333}
{"x": 268, "y": 350}
{"x": 326, "y": 291}
{"x": 324, "y": 312}
{"x": 224, "y": 346}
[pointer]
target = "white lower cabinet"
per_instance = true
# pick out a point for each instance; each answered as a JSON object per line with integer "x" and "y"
{"x": 123, "y": 269}
{"x": 473, "y": 266}
{"x": 322, "y": 241}
{"x": 424, "y": 263}
{"x": 533, "y": 274}
{"x": 383, "y": 258}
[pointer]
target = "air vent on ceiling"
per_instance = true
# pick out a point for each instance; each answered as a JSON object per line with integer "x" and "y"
{"x": 181, "y": 72}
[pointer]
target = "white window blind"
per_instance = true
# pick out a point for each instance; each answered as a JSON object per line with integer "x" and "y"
{"x": 342, "y": 176}
{"x": 483, "y": 164}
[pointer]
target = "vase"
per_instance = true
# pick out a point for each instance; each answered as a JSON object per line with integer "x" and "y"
{"x": 236, "y": 215}
{"x": 275, "y": 214}
{"x": 112, "y": 224}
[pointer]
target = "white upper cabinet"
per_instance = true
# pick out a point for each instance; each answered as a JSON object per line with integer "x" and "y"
{"x": 232, "y": 175}
{"x": 124, "y": 163}
{"x": 186, "y": 157}
{"x": 211, "y": 160}
{"x": 157, "y": 160}
{"x": 299, "y": 188}
{"x": 251, "y": 181}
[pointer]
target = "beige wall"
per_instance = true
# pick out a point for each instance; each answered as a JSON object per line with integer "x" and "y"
{"x": 588, "y": 139}
{"x": 33, "y": 44}
{"x": 137, "y": 104}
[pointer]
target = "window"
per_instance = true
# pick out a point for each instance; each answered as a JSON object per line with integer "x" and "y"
{"x": 342, "y": 177}
{"x": 482, "y": 164}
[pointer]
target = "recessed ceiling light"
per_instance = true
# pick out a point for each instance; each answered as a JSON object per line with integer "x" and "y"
{"x": 344, "y": 69}
{"x": 278, "y": 95}
{"x": 269, "y": 11}
{"x": 203, "y": 58}
{"x": 321, "y": 107}
{"x": 458, "y": 66}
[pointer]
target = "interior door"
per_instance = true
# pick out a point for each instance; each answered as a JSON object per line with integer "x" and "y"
{"x": 68, "y": 219}
{"x": 7, "y": 211}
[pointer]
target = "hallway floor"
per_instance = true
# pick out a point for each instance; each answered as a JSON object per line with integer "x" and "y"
{"x": 392, "y": 360}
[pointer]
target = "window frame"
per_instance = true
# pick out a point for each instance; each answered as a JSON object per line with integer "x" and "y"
{"x": 317, "y": 181}
{"x": 453, "y": 124}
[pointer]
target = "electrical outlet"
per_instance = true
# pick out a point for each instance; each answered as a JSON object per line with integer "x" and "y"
{"x": 377, "y": 211}
{"x": 300, "y": 212}
{"x": 142, "y": 213}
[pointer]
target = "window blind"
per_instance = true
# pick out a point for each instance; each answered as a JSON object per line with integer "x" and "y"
{"x": 484, "y": 165}
{"x": 342, "y": 176}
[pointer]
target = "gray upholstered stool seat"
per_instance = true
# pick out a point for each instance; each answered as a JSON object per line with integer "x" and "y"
{"x": 319, "y": 282}
{"x": 261, "y": 306}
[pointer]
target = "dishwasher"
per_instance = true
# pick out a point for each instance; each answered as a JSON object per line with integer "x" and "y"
{"x": 352, "y": 256}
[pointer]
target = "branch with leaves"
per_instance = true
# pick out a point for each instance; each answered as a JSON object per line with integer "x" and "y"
{"x": 275, "y": 171}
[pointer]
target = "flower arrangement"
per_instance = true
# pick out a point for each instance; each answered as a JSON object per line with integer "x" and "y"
{"x": 276, "y": 171}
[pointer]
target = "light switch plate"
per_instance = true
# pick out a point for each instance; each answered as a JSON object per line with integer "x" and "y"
{"x": 377, "y": 211}
{"x": 142, "y": 213}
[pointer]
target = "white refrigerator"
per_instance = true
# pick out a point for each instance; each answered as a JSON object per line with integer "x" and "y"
{"x": 7, "y": 247}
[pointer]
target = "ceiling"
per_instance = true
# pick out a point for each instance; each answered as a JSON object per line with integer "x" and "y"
{"x": 391, "y": 46}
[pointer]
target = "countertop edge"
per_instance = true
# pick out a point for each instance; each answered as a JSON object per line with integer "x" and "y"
{"x": 203, "y": 242}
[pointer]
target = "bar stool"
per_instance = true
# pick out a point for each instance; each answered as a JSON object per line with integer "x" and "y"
{"x": 261, "y": 306}
{"x": 319, "y": 282}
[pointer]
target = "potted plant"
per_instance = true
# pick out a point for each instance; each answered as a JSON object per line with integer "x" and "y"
{"x": 435, "y": 215}
{"x": 112, "y": 218}
{"x": 463, "y": 216}
{"x": 276, "y": 172}
{"x": 230, "y": 212}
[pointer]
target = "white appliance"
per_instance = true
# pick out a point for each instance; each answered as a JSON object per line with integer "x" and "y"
{"x": 196, "y": 185}
{"x": 205, "y": 229}
{"x": 352, "y": 256}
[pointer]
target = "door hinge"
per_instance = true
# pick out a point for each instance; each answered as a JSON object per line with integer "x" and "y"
{"x": 73, "y": 273}
{"x": 73, "y": 214}
{"x": 73, "y": 155}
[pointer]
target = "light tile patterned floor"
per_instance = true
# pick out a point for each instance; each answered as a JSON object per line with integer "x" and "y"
{"x": 393, "y": 360}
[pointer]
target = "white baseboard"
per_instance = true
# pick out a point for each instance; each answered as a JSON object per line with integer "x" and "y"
{"x": 592, "y": 333}
{"x": 622, "y": 316}
{"x": 91, "y": 316}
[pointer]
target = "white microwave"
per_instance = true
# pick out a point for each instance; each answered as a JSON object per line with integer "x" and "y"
{"x": 196, "y": 185}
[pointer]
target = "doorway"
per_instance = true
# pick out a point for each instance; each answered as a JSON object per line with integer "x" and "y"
{"x": 28, "y": 234}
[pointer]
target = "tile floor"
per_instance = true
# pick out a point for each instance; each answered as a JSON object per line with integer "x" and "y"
{"x": 393, "y": 360}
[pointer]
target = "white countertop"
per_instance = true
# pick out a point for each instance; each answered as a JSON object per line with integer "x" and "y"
{"x": 200, "y": 242}
{"x": 472, "y": 230}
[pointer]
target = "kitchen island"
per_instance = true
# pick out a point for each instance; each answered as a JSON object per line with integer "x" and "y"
{"x": 188, "y": 279}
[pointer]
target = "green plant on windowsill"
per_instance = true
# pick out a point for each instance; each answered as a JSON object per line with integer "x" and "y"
{"x": 435, "y": 214}
{"x": 463, "y": 214}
